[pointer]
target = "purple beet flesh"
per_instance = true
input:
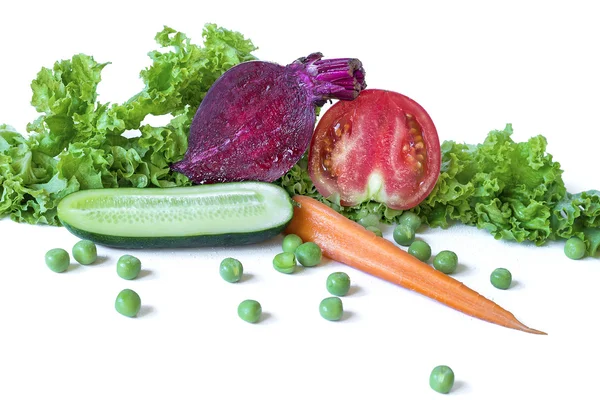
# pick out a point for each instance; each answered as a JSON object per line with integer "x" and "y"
{"x": 257, "y": 119}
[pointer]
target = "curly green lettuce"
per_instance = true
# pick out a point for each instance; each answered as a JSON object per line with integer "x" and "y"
{"x": 78, "y": 143}
{"x": 512, "y": 190}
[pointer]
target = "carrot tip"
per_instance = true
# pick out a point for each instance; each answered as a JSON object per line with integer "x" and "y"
{"x": 527, "y": 329}
{"x": 535, "y": 331}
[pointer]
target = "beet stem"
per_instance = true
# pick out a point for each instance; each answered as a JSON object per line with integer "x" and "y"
{"x": 335, "y": 78}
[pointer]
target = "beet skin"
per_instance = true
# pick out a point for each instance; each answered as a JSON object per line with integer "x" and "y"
{"x": 258, "y": 118}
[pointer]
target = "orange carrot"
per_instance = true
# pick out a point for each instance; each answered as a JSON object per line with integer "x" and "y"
{"x": 348, "y": 242}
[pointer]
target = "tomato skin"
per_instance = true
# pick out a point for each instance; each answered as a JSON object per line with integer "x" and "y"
{"x": 382, "y": 146}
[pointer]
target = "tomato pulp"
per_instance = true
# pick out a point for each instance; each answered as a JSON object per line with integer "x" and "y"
{"x": 382, "y": 146}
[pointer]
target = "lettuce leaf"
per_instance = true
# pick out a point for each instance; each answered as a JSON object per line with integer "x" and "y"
{"x": 504, "y": 187}
{"x": 77, "y": 143}
{"x": 514, "y": 191}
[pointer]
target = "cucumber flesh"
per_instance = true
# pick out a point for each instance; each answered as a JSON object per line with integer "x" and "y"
{"x": 204, "y": 215}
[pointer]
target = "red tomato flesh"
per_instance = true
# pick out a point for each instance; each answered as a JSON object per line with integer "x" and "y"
{"x": 382, "y": 146}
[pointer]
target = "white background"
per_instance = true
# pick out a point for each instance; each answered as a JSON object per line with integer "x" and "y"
{"x": 473, "y": 66}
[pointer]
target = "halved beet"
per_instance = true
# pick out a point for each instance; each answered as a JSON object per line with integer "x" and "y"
{"x": 257, "y": 119}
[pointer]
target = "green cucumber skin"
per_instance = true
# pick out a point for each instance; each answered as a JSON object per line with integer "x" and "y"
{"x": 157, "y": 242}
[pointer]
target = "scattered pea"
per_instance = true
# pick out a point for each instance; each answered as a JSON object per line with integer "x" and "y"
{"x": 231, "y": 270}
{"x": 128, "y": 267}
{"x": 441, "y": 379}
{"x": 308, "y": 254}
{"x": 446, "y": 261}
{"x": 291, "y": 242}
{"x": 410, "y": 219}
{"x": 331, "y": 308}
{"x": 375, "y": 230}
{"x": 338, "y": 283}
{"x": 574, "y": 248}
{"x": 420, "y": 249}
{"x": 369, "y": 220}
{"x": 404, "y": 235}
{"x": 57, "y": 260}
{"x": 285, "y": 262}
{"x": 128, "y": 303}
{"x": 85, "y": 252}
{"x": 250, "y": 311}
{"x": 501, "y": 278}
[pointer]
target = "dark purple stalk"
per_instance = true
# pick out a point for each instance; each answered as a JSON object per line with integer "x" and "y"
{"x": 335, "y": 78}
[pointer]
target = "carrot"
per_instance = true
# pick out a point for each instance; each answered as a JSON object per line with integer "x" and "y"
{"x": 346, "y": 241}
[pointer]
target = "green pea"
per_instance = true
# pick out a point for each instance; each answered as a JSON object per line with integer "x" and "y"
{"x": 574, "y": 248}
{"x": 57, "y": 260}
{"x": 369, "y": 220}
{"x": 128, "y": 267}
{"x": 375, "y": 230}
{"x": 361, "y": 213}
{"x": 85, "y": 252}
{"x": 308, "y": 254}
{"x": 420, "y": 250}
{"x": 128, "y": 303}
{"x": 404, "y": 235}
{"x": 231, "y": 270}
{"x": 441, "y": 379}
{"x": 501, "y": 278}
{"x": 250, "y": 311}
{"x": 291, "y": 242}
{"x": 410, "y": 219}
{"x": 446, "y": 261}
{"x": 331, "y": 308}
{"x": 285, "y": 262}
{"x": 338, "y": 283}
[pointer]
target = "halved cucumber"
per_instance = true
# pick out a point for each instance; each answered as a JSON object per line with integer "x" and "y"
{"x": 206, "y": 215}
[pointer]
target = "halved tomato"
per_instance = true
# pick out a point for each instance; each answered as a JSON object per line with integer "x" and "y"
{"x": 381, "y": 146}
